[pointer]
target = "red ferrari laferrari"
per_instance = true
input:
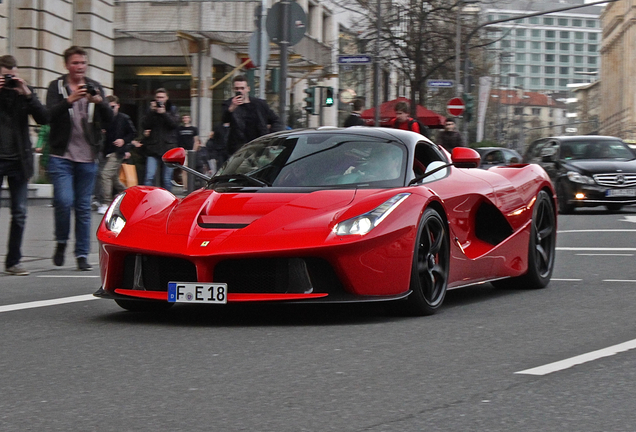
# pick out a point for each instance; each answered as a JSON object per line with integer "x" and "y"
{"x": 331, "y": 215}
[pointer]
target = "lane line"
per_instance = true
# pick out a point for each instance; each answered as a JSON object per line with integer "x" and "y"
{"x": 619, "y": 280}
{"x": 566, "y": 280}
{"x": 583, "y": 358}
{"x": 595, "y": 230}
{"x": 43, "y": 303}
{"x": 602, "y": 254}
{"x": 66, "y": 276}
{"x": 607, "y": 249}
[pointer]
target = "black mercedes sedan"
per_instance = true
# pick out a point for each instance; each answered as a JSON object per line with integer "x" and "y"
{"x": 588, "y": 170}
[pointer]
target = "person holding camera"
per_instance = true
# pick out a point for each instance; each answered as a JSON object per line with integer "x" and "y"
{"x": 78, "y": 114}
{"x": 162, "y": 121}
{"x": 17, "y": 102}
{"x": 249, "y": 117}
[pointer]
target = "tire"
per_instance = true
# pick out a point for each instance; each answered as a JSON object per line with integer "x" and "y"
{"x": 562, "y": 197}
{"x": 541, "y": 248}
{"x": 614, "y": 207}
{"x": 144, "y": 306}
{"x": 429, "y": 271}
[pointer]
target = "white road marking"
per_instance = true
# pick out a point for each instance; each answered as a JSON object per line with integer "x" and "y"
{"x": 43, "y": 303}
{"x": 566, "y": 280}
{"x": 583, "y": 358}
{"x": 619, "y": 249}
{"x": 602, "y": 254}
{"x": 619, "y": 280}
{"x": 67, "y": 276}
{"x": 595, "y": 230}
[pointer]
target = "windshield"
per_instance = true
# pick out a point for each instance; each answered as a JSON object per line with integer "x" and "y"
{"x": 608, "y": 150}
{"x": 319, "y": 159}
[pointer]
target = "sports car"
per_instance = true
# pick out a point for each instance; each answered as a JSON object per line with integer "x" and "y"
{"x": 331, "y": 215}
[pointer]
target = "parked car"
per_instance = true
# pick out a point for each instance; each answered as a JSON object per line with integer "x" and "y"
{"x": 331, "y": 215}
{"x": 587, "y": 171}
{"x": 497, "y": 156}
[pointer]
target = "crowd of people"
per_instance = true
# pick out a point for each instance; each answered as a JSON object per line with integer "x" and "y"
{"x": 87, "y": 142}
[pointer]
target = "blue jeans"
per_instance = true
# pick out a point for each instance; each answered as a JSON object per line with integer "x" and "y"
{"x": 18, "y": 186}
{"x": 152, "y": 165}
{"x": 73, "y": 184}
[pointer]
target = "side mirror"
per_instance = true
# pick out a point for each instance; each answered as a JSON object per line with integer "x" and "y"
{"x": 174, "y": 157}
{"x": 464, "y": 157}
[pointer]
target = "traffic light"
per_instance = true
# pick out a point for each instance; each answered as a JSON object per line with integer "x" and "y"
{"x": 328, "y": 97}
{"x": 310, "y": 100}
{"x": 470, "y": 106}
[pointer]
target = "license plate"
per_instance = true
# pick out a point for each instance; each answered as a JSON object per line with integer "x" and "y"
{"x": 188, "y": 292}
{"x": 620, "y": 192}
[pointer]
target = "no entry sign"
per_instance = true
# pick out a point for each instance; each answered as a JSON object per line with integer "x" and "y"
{"x": 455, "y": 107}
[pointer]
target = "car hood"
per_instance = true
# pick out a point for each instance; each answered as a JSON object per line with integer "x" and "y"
{"x": 211, "y": 210}
{"x": 591, "y": 167}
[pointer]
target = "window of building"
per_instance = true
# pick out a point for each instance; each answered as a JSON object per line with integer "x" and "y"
{"x": 591, "y": 60}
{"x": 536, "y": 111}
{"x": 536, "y": 33}
{"x": 563, "y": 22}
{"x": 592, "y": 70}
{"x": 535, "y": 82}
{"x": 549, "y": 70}
{"x": 564, "y": 70}
{"x": 521, "y": 32}
{"x": 564, "y": 58}
{"x": 521, "y": 44}
{"x": 520, "y": 57}
{"x": 563, "y": 82}
{"x": 535, "y": 69}
{"x": 578, "y": 47}
{"x": 491, "y": 17}
{"x": 549, "y": 58}
{"x": 550, "y": 34}
{"x": 550, "y": 46}
{"x": 505, "y": 44}
{"x": 579, "y": 36}
{"x": 520, "y": 69}
{"x": 534, "y": 20}
{"x": 565, "y": 34}
{"x": 520, "y": 81}
{"x": 535, "y": 57}
{"x": 548, "y": 21}
{"x": 503, "y": 17}
{"x": 578, "y": 59}
{"x": 564, "y": 47}
{"x": 535, "y": 46}
{"x": 590, "y": 23}
{"x": 577, "y": 23}
{"x": 579, "y": 69}
{"x": 592, "y": 36}
{"x": 551, "y": 114}
{"x": 591, "y": 48}
{"x": 518, "y": 111}
{"x": 505, "y": 68}
{"x": 549, "y": 82}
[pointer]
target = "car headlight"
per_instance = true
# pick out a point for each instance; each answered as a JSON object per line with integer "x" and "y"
{"x": 366, "y": 222}
{"x": 113, "y": 218}
{"x": 580, "y": 178}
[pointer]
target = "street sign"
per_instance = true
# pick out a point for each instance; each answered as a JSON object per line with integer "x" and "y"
{"x": 296, "y": 25}
{"x": 254, "y": 50}
{"x": 440, "y": 83}
{"x": 455, "y": 107}
{"x": 354, "y": 59}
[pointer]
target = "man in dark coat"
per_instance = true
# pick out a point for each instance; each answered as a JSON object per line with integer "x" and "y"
{"x": 354, "y": 118}
{"x": 17, "y": 102}
{"x": 449, "y": 138}
{"x": 249, "y": 117}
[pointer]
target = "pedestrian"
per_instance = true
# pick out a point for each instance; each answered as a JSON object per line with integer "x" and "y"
{"x": 189, "y": 140}
{"x": 162, "y": 121}
{"x": 449, "y": 138}
{"x": 354, "y": 118}
{"x": 217, "y": 146}
{"x": 78, "y": 114}
{"x": 249, "y": 117}
{"x": 117, "y": 144}
{"x": 403, "y": 119}
{"x": 17, "y": 102}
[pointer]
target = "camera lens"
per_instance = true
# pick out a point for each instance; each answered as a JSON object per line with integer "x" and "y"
{"x": 90, "y": 89}
{"x": 9, "y": 82}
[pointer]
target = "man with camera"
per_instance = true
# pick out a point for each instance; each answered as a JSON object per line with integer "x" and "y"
{"x": 17, "y": 102}
{"x": 162, "y": 121}
{"x": 78, "y": 114}
{"x": 249, "y": 117}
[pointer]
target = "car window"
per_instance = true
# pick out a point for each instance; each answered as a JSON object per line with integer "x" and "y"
{"x": 610, "y": 149}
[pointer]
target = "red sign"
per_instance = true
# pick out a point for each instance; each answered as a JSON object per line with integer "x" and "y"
{"x": 455, "y": 107}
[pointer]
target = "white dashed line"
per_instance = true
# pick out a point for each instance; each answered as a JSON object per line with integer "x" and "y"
{"x": 583, "y": 358}
{"x": 67, "y": 276}
{"x": 43, "y": 303}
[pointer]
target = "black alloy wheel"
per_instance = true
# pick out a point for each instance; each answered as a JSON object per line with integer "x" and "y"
{"x": 429, "y": 273}
{"x": 541, "y": 247}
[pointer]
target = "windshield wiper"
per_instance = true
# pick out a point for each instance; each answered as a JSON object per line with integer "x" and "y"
{"x": 426, "y": 174}
{"x": 239, "y": 177}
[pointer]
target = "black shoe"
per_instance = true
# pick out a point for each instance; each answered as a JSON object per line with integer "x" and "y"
{"x": 83, "y": 265}
{"x": 58, "y": 258}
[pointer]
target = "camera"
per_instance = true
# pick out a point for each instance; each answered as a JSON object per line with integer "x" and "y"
{"x": 9, "y": 81}
{"x": 239, "y": 94}
{"x": 90, "y": 89}
{"x": 159, "y": 104}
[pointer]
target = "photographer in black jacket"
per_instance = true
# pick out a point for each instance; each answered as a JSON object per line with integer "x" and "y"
{"x": 17, "y": 102}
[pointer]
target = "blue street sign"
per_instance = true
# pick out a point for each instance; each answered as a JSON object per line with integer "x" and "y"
{"x": 440, "y": 83}
{"x": 354, "y": 59}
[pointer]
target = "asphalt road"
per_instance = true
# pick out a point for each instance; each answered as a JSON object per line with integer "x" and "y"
{"x": 480, "y": 364}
